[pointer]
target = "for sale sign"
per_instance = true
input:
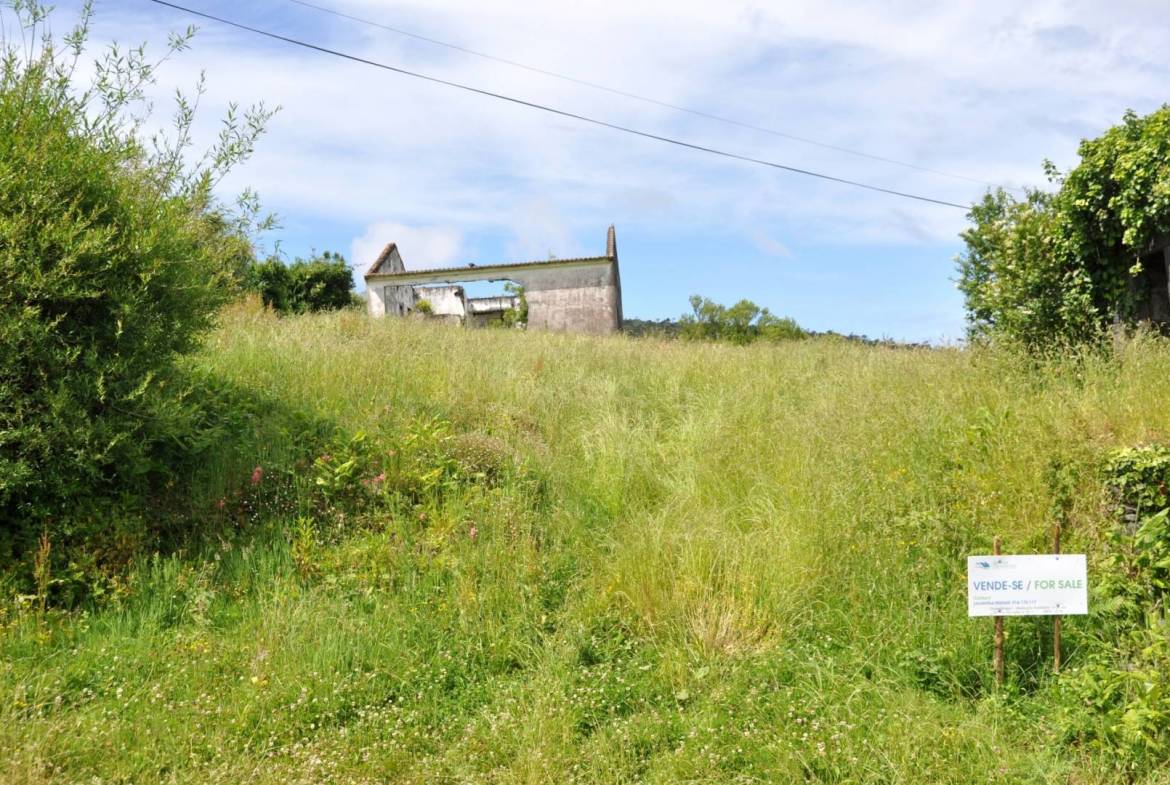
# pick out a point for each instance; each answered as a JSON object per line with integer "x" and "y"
{"x": 1039, "y": 585}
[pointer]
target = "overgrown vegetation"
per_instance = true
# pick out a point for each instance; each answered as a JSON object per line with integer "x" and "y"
{"x": 518, "y": 316}
{"x": 114, "y": 259}
{"x": 537, "y": 557}
{"x": 323, "y": 282}
{"x": 1058, "y": 267}
{"x": 1125, "y": 675}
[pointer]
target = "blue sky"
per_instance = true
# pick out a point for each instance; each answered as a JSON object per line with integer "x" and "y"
{"x": 359, "y": 157}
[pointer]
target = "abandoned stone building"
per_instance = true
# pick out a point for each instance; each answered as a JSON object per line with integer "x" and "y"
{"x": 575, "y": 295}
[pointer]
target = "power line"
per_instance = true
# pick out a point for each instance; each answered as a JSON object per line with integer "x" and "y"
{"x": 646, "y": 99}
{"x": 559, "y": 112}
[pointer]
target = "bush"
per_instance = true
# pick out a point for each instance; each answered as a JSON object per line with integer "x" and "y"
{"x": 1121, "y": 690}
{"x": 321, "y": 283}
{"x": 114, "y": 259}
{"x": 518, "y": 316}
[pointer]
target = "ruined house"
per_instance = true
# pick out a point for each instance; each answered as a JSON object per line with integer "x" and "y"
{"x": 575, "y": 295}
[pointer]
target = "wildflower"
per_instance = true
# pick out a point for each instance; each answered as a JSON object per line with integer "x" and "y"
{"x": 220, "y": 502}
{"x": 381, "y": 478}
{"x": 472, "y": 532}
{"x": 257, "y": 475}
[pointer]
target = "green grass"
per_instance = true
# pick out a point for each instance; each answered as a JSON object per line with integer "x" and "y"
{"x": 699, "y": 563}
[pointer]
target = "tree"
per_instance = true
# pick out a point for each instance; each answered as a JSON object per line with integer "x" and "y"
{"x": 1061, "y": 266}
{"x": 271, "y": 280}
{"x": 115, "y": 256}
{"x": 741, "y": 323}
{"x": 320, "y": 283}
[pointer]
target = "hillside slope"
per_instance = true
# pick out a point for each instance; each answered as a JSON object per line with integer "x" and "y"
{"x": 550, "y": 558}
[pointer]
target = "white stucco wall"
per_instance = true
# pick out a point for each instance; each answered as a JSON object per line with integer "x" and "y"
{"x": 375, "y": 301}
{"x": 444, "y": 300}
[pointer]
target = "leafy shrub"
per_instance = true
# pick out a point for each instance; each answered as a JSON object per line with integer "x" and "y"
{"x": 741, "y": 323}
{"x": 1060, "y": 266}
{"x": 400, "y": 471}
{"x": 114, "y": 258}
{"x": 271, "y": 280}
{"x": 481, "y": 455}
{"x": 518, "y": 316}
{"x": 1121, "y": 692}
{"x": 321, "y": 283}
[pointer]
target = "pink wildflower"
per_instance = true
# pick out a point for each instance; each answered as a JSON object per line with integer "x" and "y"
{"x": 380, "y": 478}
{"x": 472, "y": 532}
{"x": 257, "y": 475}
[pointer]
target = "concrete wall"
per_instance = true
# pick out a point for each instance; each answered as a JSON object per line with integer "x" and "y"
{"x": 447, "y": 301}
{"x": 488, "y": 311}
{"x": 584, "y": 299}
{"x": 392, "y": 300}
{"x": 486, "y": 304}
{"x": 578, "y": 309}
{"x": 376, "y": 300}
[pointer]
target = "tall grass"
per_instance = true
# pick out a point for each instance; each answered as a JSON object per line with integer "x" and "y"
{"x": 718, "y": 564}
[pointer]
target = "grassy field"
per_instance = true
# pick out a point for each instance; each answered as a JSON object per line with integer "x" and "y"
{"x": 601, "y": 561}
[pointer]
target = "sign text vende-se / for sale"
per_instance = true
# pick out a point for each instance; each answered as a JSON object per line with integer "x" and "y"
{"x": 1038, "y": 585}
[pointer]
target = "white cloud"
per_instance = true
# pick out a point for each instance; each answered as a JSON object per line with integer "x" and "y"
{"x": 984, "y": 89}
{"x": 421, "y": 247}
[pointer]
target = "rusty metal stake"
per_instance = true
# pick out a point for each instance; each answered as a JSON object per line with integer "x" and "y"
{"x": 1056, "y": 621}
{"x": 998, "y": 633}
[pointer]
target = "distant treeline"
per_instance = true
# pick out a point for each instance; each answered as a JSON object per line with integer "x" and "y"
{"x": 742, "y": 323}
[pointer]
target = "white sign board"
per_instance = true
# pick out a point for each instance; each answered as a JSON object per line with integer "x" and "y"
{"x": 1050, "y": 585}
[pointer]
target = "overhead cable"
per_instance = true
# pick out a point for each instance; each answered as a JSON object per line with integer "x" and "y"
{"x": 561, "y": 112}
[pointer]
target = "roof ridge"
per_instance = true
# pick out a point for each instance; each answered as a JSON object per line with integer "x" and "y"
{"x": 475, "y": 267}
{"x": 382, "y": 257}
